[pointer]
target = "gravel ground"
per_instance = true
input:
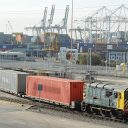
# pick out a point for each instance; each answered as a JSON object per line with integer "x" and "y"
{"x": 79, "y": 117}
{"x": 13, "y": 115}
{"x": 67, "y": 114}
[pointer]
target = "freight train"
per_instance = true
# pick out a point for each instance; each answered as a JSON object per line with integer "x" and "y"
{"x": 105, "y": 99}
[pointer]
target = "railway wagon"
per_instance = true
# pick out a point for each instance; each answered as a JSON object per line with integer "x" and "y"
{"x": 57, "y": 90}
{"x": 13, "y": 81}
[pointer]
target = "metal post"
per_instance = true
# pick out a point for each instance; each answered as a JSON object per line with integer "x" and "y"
{"x": 90, "y": 65}
{"x": 71, "y": 30}
{"x": 37, "y": 42}
{"x": 116, "y": 58}
{"x": 85, "y": 32}
{"x": 40, "y": 88}
{"x": 90, "y": 58}
{"x": 25, "y": 60}
{"x": 39, "y": 101}
{"x": 127, "y": 57}
{"x": 87, "y": 59}
{"x": 106, "y": 66}
{"x": 90, "y": 34}
{"x": 109, "y": 59}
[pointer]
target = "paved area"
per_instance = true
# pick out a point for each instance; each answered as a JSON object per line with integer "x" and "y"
{"x": 13, "y": 98}
{"x": 7, "y": 95}
{"x": 115, "y": 80}
{"x": 15, "y": 116}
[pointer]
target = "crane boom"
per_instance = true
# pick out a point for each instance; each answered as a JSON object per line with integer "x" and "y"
{"x": 43, "y": 23}
{"x": 51, "y": 16}
{"x": 10, "y": 26}
{"x": 65, "y": 17}
{"x": 63, "y": 25}
{"x": 44, "y": 18}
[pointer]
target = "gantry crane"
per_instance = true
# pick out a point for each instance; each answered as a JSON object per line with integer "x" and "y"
{"x": 107, "y": 26}
{"x": 52, "y": 44}
{"x": 10, "y": 26}
{"x": 50, "y": 20}
{"x": 63, "y": 26}
{"x": 65, "y": 19}
{"x": 43, "y": 24}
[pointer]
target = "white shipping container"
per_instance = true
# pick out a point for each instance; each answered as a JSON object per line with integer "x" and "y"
{"x": 13, "y": 81}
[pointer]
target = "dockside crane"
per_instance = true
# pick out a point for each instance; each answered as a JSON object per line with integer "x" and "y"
{"x": 50, "y": 20}
{"x": 43, "y": 21}
{"x": 65, "y": 19}
{"x": 9, "y": 23}
{"x": 43, "y": 24}
{"x": 63, "y": 26}
{"x": 10, "y": 27}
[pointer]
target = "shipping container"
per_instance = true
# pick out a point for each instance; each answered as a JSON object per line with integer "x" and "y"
{"x": 13, "y": 81}
{"x": 4, "y": 47}
{"x": 83, "y": 47}
{"x": 121, "y": 34}
{"x": 19, "y": 46}
{"x": 64, "y": 40}
{"x": 5, "y": 38}
{"x": 58, "y": 90}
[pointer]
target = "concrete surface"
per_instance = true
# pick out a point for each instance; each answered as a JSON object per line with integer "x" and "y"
{"x": 114, "y": 80}
{"x": 14, "y": 115}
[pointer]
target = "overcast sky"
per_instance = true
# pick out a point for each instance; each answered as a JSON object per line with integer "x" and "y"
{"x": 23, "y": 13}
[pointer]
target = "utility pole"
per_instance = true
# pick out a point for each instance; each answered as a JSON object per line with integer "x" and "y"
{"x": 37, "y": 43}
{"x": 71, "y": 32}
{"x": 90, "y": 50}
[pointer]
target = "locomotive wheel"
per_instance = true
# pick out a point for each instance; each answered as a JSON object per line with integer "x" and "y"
{"x": 88, "y": 109}
{"x": 102, "y": 113}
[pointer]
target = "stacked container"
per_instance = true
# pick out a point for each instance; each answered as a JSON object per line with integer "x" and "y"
{"x": 64, "y": 40}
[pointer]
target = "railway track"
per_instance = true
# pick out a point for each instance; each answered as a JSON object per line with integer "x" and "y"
{"x": 83, "y": 116}
{"x": 57, "y": 110}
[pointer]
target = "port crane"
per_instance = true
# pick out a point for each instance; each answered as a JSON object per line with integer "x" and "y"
{"x": 50, "y": 20}
{"x": 10, "y": 27}
{"x": 43, "y": 24}
{"x": 62, "y": 26}
{"x": 106, "y": 26}
{"x": 50, "y": 37}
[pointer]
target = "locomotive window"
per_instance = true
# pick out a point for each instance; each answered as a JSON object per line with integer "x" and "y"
{"x": 108, "y": 93}
{"x": 115, "y": 94}
{"x": 120, "y": 95}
